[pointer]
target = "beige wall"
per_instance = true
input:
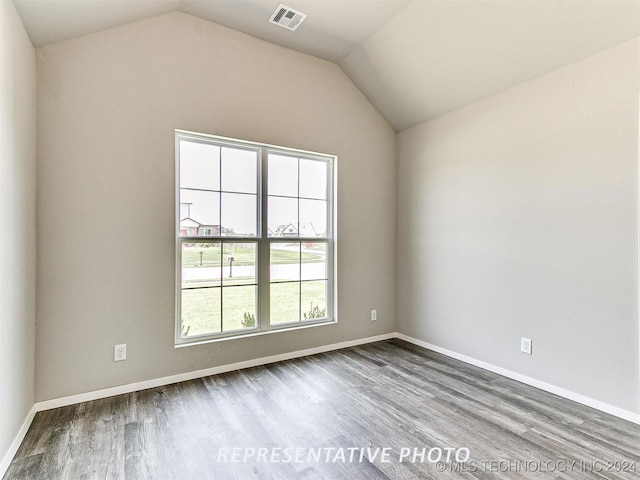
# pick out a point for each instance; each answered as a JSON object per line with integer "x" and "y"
{"x": 108, "y": 104}
{"x": 517, "y": 216}
{"x": 17, "y": 235}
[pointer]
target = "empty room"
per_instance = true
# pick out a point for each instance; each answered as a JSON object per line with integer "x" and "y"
{"x": 319, "y": 239}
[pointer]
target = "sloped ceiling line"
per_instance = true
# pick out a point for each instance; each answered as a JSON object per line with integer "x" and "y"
{"x": 414, "y": 60}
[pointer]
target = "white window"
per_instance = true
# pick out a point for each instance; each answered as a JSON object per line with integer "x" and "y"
{"x": 255, "y": 246}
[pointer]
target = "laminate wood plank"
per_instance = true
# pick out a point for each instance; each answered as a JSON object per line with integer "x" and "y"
{"x": 388, "y": 394}
{"x": 29, "y": 467}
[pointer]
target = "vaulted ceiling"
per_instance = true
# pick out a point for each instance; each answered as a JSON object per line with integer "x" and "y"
{"x": 414, "y": 60}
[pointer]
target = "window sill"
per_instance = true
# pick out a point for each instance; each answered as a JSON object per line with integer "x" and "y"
{"x": 238, "y": 336}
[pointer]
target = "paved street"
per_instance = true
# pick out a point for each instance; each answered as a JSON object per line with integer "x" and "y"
{"x": 310, "y": 271}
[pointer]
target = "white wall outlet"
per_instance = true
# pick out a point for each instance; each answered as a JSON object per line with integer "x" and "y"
{"x": 525, "y": 345}
{"x": 374, "y": 315}
{"x": 120, "y": 352}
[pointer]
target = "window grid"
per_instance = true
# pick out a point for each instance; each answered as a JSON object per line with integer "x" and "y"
{"x": 263, "y": 242}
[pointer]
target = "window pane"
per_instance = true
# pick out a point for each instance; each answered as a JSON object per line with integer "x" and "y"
{"x": 239, "y": 170}
{"x": 239, "y": 263}
{"x": 313, "y": 179}
{"x": 201, "y": 265}
{"x": 199, "y": 165}
{"x": 283, "y": 217}
{"x": 314, "y": 261}
{"x": 285, "y": 303}
{"x": 238, "y": 307}
{"x": 239, "y": 214}
{"x": 200, "y": 311}
{"x": 285, "y": 262}
{"x": 224, "y": 189}
{"x": 199, "y": 213}
{"x": 313, "y": 218}
{"x": 313, "y": 300}
{"x": 283, "y": 175}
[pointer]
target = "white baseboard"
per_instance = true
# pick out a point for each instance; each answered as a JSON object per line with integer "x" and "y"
{"x": 182, "y": 377}
{"x": 547, "y": 387}
{"x": 13, "y": 448}
{"x": 158, "y": 382}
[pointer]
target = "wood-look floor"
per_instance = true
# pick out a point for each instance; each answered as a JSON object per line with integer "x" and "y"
{"x": 384, "y": 395}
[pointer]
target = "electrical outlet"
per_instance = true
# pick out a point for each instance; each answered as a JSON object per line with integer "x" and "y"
{"x": 120, "y": 352}
{"x": 374, "y": 315}
{"x": 525, "y": 345}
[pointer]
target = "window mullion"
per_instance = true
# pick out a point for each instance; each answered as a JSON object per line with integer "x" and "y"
{"x": 299, "y": 251}
{"x": 264, "y": 249}
{"x": 330, "y": 239}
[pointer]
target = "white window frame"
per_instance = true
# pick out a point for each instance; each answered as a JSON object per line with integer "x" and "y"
{"x": 262, "y": 241}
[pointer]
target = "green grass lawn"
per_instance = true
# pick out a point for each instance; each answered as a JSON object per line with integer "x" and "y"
{"x": 214, "y": 310}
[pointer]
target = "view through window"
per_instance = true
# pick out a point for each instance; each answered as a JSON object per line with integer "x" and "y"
{"x": 254, "y": 237}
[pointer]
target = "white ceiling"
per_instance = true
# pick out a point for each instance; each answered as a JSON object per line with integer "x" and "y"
{"x": 436, "y": 56}
{"x": 333, "y": 28}
{"x": 414, "y": 60}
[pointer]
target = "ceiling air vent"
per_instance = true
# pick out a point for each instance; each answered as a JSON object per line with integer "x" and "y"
{"x": 287, "y": 17}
